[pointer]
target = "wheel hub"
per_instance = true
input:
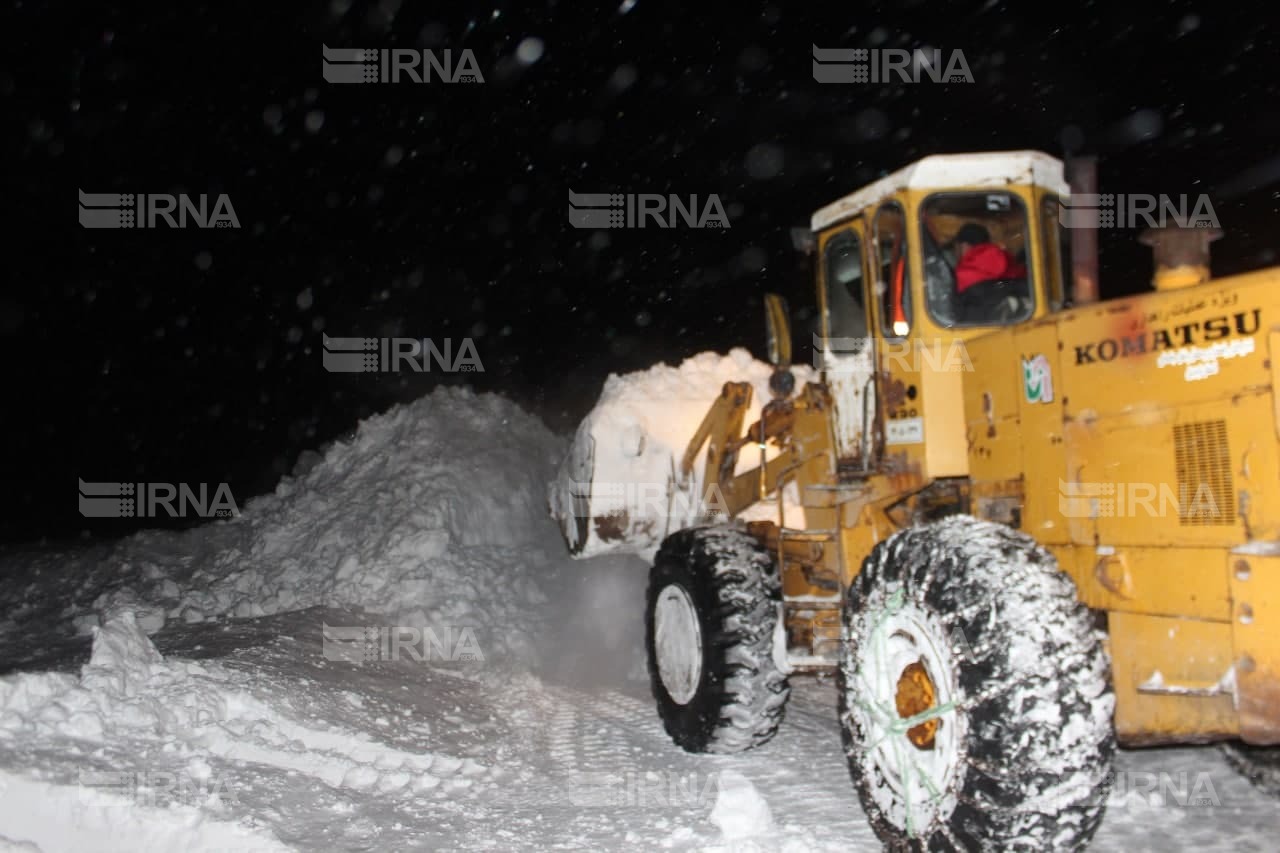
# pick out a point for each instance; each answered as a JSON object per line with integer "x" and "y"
{"x": 915, "y": 695}
{"x": 903, "y": 703}
{"x": 677, "y": 643}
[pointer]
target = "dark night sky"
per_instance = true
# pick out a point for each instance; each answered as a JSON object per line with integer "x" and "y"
{"x": 440, "y": 210}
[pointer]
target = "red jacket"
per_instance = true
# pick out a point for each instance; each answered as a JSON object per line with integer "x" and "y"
{"x": 986, "y": 261}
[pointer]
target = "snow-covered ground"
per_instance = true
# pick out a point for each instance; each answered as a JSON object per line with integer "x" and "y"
{"x": 238, "y": 686}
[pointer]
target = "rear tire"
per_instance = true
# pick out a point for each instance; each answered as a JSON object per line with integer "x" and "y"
{"x": 968, "y": 630}
{"x": 712, "y": 613}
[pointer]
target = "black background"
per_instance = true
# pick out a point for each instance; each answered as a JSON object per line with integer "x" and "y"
{"x": 126, "y": 360}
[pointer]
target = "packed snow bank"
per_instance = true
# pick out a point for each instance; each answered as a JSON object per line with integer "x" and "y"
{"x": 619, "y": 488}
{"x": 40, "y": 816}
{"x": 126, "y": 693}
{"x": 128, "y": 689}
{"x": 170, "y": 755}
{"x": 433, "y": 516}
{"x": 160, "y": 752}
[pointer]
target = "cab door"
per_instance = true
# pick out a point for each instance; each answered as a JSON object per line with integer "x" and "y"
{"x": 845, "y": 353}
{"x": 900, "y": 382}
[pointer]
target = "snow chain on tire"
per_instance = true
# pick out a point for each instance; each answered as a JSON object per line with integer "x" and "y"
{"x": 975, "y": 694}
{"x": 730, "y": 693}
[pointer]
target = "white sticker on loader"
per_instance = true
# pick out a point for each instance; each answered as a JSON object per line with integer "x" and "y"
{"x": 1037, "y": 379}
{"x": 904, "y": 431}
{"x": 1202, "y": 362}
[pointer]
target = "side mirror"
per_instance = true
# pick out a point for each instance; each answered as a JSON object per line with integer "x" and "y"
{"x": 777, "y": 326}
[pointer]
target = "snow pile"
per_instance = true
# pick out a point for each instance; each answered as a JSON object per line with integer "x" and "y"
{"x": 740, "y": 810}
{"x": 124, "y": 684}
{"x": 619, "y": 489}
{"x": 417, "y": 517}
{"x": 433, "y": 515}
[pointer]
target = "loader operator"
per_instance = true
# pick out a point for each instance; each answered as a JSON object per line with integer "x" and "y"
{"x": 983, "y": 273}
{"x": 978, "y": 259}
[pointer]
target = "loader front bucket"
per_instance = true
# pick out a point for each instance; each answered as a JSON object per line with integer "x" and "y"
{"x": 619, "y": 493}
{"x": 622, "y": 487}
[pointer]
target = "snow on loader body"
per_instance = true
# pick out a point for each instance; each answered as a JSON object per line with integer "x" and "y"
{"x": 1021, "y": 525}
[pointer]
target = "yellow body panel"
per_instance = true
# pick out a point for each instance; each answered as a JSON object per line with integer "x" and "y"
{"x": 1142, "y": 476}
{"x": 1255, "y": 592}
{"x": 1156, "y": 653}
{"x": 1154, "y": 581}
{"x": 946, "y": 451}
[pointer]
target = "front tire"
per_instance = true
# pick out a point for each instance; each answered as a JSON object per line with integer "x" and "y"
{"x": 710, "y": 622}
{"x": 975, "y": 695}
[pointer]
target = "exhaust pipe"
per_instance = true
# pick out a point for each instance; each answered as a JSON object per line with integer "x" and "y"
{"x": 1082, "y": 175}
{"x": 1181, "y": 255}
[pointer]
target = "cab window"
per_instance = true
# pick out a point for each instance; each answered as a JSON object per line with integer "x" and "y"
{"x": 975, "y": 259}
{"x": 1057, "y": 250}
{"x": 846, "y": 320}
{"x": 893, "y": 285}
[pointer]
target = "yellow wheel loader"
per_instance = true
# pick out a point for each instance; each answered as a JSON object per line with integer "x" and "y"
{"x": 1024, "y": 525}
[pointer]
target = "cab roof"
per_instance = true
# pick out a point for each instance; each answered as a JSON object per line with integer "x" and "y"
{"x": 948, "y": 171}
